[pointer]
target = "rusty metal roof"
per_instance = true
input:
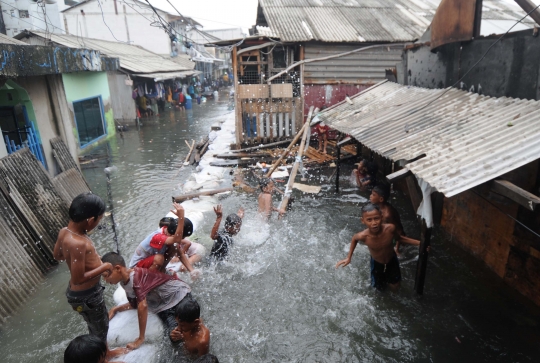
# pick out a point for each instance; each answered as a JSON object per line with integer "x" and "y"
{"x": 364, "y": 20}
{"x": 468, "y": 139}
{"x": 132, "y": 58}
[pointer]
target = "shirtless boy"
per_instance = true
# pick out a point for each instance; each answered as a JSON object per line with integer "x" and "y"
{"x": 265, "y": 198}
{"x": 379, "y": 197}
{"x": 378, "y": 238}
{"x": 190, "y": 329}
{"x": 84, "y": 292}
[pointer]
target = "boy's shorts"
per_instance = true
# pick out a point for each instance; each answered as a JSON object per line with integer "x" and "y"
{"x": 91, "y": 305}
{"x": 147, "y": 262}
{"x": 383, "y": 274}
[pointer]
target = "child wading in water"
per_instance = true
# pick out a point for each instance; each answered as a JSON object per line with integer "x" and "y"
{"x": 265, "y": 198}
{"x": 190, "y": 329}
{"x": 378, "y": 238}
{"x": 85, "y": 292}
{"x": 379, "y": 197}
{"x": 223, "y": 239}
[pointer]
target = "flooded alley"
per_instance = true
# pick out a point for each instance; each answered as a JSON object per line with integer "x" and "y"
{"x": 268, "y": 140}
{"x": 279, "y": 298}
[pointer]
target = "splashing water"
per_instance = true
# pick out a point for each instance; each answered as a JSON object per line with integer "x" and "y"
{"x": 278, "y": 297}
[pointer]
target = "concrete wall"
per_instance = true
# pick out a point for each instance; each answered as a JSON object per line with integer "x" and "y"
{"x": 126, "y": 26}
{"x": 80, "y": 86}
{"x": 511, "y": 68}
{"x": 122, "y": 102}
{"x": 35, "y": 20}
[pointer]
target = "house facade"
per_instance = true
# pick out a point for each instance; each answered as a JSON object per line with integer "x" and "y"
{"x": 38, "y": 102}
{"x": 132, "y": 22}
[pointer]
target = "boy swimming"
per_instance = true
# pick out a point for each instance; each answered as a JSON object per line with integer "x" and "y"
{"x": 378, "y": 238}
{"x": 146, "y": 291}
{"x": 379, "y": 197}
{"x": 84, "y": 292}
{"x": 265, "y": 198}
{"x": 190, "y": 329}
{"x": 223, "y": 239}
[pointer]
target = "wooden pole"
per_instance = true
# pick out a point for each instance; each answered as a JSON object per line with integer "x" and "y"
{"x": 265, "y": 146}
{"x": 338, "y": 163}
{"x": 288, "y": 189}
{"x": 184, "y": 197}
{"x": 421, "y": 265}
{"x": 190, "y": 151}
{"x": 295, "y": 140}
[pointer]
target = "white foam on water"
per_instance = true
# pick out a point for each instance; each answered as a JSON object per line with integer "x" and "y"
{"x": 254, "y": 232}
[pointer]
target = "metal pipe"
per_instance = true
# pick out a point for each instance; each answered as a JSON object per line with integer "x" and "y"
{"x": 530, "y": 8}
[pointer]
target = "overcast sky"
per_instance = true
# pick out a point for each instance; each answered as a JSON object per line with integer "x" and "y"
{"x": 215, "y": 14}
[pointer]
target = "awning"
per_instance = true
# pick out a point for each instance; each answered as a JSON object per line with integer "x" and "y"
{"x": 171, "y": 75}
{"x": 467, "y": 138}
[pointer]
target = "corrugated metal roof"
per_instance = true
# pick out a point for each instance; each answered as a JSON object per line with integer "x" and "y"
{"x": 132, "y": 57}
{"x": 468, "y": 139}
{"x": 4, "y": 39}
{"x": 358, "y": 68}
{"x": 364, "y": 20}
{"x": 172, "y": 75}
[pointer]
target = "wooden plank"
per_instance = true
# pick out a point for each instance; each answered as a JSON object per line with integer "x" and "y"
{"x": 346, "y": 141}
{"x": 233, "y": 162}
{"x": 421, "y": 265}
{"x": 414, "y": 193}
{"x": 515, "y": 193}
{"x": 184, "y": 197}
{"x": 398, "y": 175}
{"x": 262, "y": 146}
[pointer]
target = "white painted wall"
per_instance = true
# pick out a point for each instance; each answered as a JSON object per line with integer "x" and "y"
{"x": 36, "y": 17}
{"x": 131, "y": 24}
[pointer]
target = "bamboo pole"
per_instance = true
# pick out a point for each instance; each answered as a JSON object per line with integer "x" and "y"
{"x": 295, "y": 140}
{"x": 294, "y": 171}
{"x": 265, "y": 146}
{"x": 184, "y": 197}
{"x": 190, "y": 151}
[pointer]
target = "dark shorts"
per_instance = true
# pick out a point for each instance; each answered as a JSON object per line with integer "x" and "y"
{"x": 167, "y": 316}
{"x": 91, "y": 305}
{"x": 383, "y": 274}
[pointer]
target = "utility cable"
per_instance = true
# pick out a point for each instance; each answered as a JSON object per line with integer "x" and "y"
{"x": 508, "y": 215}
{"x": 104, "y": 22}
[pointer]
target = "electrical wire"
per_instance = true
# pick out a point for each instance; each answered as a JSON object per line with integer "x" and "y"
{"x": 508, "y": 215}
{"x": 104, "y": 22}
{"x": 475, "y": 64}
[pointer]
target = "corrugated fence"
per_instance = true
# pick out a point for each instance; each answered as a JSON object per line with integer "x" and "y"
{"x": 34, "y": 208}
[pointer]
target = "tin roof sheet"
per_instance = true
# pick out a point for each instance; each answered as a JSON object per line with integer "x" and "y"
{"x": 467, "y": 138}
{"x": 132, "y": 58}
{"x": 365, "y": 20}
{"x": 4, "y": 39}
{"x": 170, "y": 75}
